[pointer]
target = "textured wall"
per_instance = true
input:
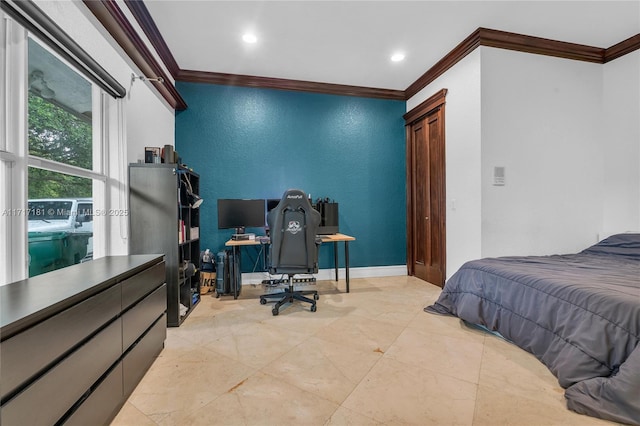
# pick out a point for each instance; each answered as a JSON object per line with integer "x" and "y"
{"x": 256, "y": 143}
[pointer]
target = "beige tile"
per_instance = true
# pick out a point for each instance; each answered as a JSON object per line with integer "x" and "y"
{"x": 503, "y": 407}
{"x": 446, "y": 326}
{"x": 257, "y": 344}
{"x": 505, "y": 365}
{"x": 376, "y": 308}
{"x": 263, "y": 400}
{"x": 365, "y": 358}
{"x": 395, "y": 393}
{"x": 324, "y": 368}
{"x": 130, "y": 415}
{"x": 175, "y": 345}
{"x": 298, "y": 317}
{"x": 360, "y": 332}
{"x": 203, "y": 329}
{"x": 453, "y": 356}
{"x": 186, "y": 383}
{"x": 345, "y": 417}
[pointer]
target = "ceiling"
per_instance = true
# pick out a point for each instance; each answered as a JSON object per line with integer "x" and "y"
{"x": 351, "y": 42}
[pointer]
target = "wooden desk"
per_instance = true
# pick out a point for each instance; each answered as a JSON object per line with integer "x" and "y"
{"x": 334, "y": 238}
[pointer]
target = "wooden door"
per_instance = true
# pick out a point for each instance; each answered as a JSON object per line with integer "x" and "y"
{"x": 426, "y": 197}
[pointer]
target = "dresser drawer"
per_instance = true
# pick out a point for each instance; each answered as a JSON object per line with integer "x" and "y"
{"x": 25, "y": 355}
{"x": 140, "y": 317}
{"x": 103, "y": 404}
{"x": 141, "y": 284}
{"x": 138, "y": 360}
{"x": 47, "y": 399}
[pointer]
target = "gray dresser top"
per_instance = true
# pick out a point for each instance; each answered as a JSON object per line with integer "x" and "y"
{"x": 24, "y": 303}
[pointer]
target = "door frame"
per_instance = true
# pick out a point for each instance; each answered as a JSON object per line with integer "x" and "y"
{"x": 434, "y": 102}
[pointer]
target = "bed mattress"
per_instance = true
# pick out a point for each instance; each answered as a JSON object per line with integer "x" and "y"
{"x": 579, "y": 314}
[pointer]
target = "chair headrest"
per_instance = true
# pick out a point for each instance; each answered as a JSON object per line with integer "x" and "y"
{"x": 294, "y": 197}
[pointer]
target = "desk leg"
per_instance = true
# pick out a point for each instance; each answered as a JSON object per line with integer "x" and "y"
{"x": 346, "y": 262}
{"x": 236, "y": 276}
{"x": 335, "y": 258}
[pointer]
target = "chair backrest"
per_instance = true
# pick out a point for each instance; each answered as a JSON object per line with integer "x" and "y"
{"x": 293, "y": 226}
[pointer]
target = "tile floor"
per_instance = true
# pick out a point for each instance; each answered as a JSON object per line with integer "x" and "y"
{"x": 370, "y": 357}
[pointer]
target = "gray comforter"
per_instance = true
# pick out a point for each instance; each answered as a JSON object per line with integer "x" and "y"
{"x": 579, "y": 314}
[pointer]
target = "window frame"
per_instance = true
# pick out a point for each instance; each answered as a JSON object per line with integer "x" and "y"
{"x": 15, "y": 160}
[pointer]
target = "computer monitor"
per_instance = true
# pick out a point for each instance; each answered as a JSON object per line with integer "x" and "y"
{"x": 240, "y": 214}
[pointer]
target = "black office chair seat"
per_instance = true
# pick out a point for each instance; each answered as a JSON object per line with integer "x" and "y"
{"x": 294, "y": 247}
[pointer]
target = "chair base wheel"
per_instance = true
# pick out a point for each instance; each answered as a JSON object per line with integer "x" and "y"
{"x": 289, "y": 296}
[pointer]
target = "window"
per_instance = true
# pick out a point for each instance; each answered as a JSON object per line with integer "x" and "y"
{"x": 59, "y": 120}
{"x": 52, "y": 160}
{"x": 59, "y": 131}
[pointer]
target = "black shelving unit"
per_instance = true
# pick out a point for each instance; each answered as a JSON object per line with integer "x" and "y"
{"x": 163, "y": 219}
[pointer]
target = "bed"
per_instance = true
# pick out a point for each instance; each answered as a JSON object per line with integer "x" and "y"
{"x": 579, "y": 314}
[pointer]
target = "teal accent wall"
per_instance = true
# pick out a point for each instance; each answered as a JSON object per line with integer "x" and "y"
{"x": 256, "y": 143}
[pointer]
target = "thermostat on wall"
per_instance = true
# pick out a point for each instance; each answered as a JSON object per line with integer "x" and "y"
{"x": 498, "y": 176}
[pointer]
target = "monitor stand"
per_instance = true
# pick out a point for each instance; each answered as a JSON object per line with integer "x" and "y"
{"x": 240, "y": 235}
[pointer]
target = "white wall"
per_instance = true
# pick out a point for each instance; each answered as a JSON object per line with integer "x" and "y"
{"x": 621, "y": 139}
{"x": 542, "y": 121}
{"x": 462, "y": 157}
{"x": 567, "y": 133}
{"x": 149, "y": 120}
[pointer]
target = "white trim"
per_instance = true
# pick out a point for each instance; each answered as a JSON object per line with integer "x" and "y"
{"x": 99, "y": 187}
{"x": 4, "y": 87}
{"x": 54, "y": 166}
{"x": 14, "y": 113}
{"x": 9, "y": 157}
{"x": 252, "y": 278}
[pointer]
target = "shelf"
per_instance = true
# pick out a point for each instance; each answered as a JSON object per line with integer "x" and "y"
{"x": 156, "y": 200}
{"x": 195, "y": 240}
{"x": 184, "y": 317}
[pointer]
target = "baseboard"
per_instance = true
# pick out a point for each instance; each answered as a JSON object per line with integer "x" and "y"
{"x": 252, "y": 278}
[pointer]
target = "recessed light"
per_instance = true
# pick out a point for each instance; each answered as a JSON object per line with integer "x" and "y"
{"x": 249, "y": 38}
{"x": 397, "y": 57}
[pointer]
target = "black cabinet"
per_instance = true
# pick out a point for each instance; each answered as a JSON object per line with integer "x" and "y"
{"x": 164, "y": 218}
{"x": 76, "y": 341}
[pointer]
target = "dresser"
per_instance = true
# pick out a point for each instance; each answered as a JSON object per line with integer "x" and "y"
{"x": 75, "y": 342}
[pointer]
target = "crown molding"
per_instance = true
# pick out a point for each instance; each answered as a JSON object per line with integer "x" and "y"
{"x": 540, "y": 46}
{"x": 192, "y": 76}
{"x": 511, "y": 41}
{"x": 141, "y": 13}
{"x": 116, "y": 23}
{"x": 626, "y": 46}
{"x": 465, "y": 47}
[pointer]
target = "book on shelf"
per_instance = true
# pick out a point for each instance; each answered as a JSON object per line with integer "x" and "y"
{"x": 194, "y": 233}
{"x": 181, "y": 232}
